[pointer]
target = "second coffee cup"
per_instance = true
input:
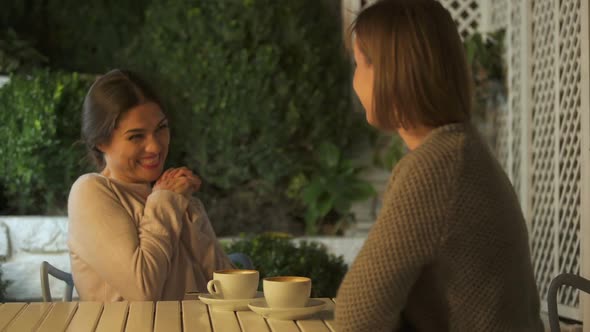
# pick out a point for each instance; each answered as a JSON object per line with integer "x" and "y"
{"x": 286, "y": 292}
{"x": 234, "y": 284}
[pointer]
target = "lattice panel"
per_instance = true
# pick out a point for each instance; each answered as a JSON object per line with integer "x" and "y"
{"x": 569, "y": 143}
{"x": 515, "y": 82}
{"x": 543, "y": 161}
{"x": 556, "y": 144}
{"x": 499, "y": 14}
{"x": 502, "y": 148}
{"x": 466, "y": 14}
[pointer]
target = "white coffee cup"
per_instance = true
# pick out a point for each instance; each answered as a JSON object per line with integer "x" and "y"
{"x": 234, "y": 284}
{"x": 286, "y": 292}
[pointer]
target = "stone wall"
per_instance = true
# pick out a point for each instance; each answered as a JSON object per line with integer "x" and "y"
{"x": 25, "y": 242}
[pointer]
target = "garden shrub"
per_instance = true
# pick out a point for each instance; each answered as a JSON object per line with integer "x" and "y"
{"x": 40, "y": 125}
{"x": 275, "y": 254}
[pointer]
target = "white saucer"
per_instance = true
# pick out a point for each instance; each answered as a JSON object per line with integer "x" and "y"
{"x": 313, "y": 306}
{"x": 228, "y": 305}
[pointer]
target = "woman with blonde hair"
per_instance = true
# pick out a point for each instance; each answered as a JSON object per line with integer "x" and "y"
{"x": 449, "y": 250}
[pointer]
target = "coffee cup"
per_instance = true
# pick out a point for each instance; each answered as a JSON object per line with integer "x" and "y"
{"x": 234, "y": 284}
{"x": 286, "y": 292}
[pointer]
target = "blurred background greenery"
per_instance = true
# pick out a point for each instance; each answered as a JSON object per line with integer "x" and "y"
{"x": 258, "y": 92}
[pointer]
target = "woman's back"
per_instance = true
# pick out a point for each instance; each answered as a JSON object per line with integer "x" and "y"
{"x": 449, "y": 249}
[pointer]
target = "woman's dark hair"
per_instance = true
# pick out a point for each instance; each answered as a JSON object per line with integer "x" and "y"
{"x": 111, "y": 95}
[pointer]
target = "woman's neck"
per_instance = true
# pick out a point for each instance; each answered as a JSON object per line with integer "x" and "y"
{"x": 413, "y": 137}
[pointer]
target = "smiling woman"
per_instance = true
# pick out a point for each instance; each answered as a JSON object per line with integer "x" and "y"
{"x": 130, "y": 240}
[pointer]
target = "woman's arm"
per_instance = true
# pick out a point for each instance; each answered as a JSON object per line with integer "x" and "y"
{"x": 133, "y": 256}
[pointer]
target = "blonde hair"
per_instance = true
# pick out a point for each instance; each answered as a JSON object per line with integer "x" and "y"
{"x": 421, "y": 76}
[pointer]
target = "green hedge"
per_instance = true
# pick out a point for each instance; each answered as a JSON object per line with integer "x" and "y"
{"x": 253, "y": 87}
{"x": 40, "y": 125}
{"x": 275, "y": 254}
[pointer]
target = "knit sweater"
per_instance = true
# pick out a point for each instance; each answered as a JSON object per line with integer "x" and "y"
{"x": 129, "y": 243}
{"x": 449, "y": 250}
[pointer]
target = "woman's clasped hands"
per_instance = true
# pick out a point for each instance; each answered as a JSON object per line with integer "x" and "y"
{"x": 179, "y": 180}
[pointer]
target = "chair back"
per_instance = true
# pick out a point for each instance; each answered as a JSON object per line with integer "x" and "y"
{"x": 241, "y": 260}
{"x": 48, "y": 269}
{"x": 563, "y": 279}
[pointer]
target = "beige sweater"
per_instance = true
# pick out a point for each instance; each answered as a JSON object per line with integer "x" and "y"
{"x": 449, "y": 250}
{"x": 129, "y": 243}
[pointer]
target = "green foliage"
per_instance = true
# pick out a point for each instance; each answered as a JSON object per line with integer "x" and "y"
{"x": 251, "y": 87}
{"x": 333, "y": 185}
{"x": 16, "y": 53}
{"x": 88, "y": 36}
{"x": 277, "y": 255}
{"x": 40, "y": 123}
{"x": 255, "y": 83}
{"x": 485, "y": 55}
{"x": 3, "y": 285}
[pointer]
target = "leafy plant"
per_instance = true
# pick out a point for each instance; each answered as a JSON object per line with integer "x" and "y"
{"x": 332, "y": 186}
{"x": 40, "y": 125}
{"x": 275, "y": 254}
{"x": 16, "y": 53}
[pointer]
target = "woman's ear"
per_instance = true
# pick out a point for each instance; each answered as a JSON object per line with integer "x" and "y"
{"x": 100, "y": 147}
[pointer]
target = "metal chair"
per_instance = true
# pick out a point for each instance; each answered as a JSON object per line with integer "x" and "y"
{"x": 568, "y": 279}
{"x": 239, "y": 259}
{"x": 48, "y": 269}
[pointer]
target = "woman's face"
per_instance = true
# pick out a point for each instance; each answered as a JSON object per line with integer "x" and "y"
{"x": 138, "y": 146}
{"x": 363, "y": 82}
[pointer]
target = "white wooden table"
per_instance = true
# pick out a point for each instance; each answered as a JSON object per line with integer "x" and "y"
{"x": 165, "y": 316}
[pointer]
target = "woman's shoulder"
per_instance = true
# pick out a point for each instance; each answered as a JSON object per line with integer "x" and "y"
{"x": 90, "y": 180}
{"x": 89, "y": 185}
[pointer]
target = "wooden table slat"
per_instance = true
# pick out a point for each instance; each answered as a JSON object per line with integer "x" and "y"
{"x": 167, "y": 317}
{"x": 195, "y": 316}
{"x": 223, "y": 321}
{"x": 29, "y": 318}
{"x": 59, "y": 317}
{"x": 327, "y": 315}
{"x": 312, "y": 326}
{"x": 282, "y": 325}
{"x": 86, "y": 317}
{"x": 8, "y": 312}
{"x": 316, "y": 323}
{"x": 252, "y": 322}
{"x": 141, "y": 317}
{"x": 114, "y": 315}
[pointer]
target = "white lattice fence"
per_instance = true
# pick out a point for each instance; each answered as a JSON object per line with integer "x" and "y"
{"x": 543, "y": 146}
{"x": 466, "y": 13}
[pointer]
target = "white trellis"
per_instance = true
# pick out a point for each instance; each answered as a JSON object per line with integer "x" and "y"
{"x": 545, "y": 147}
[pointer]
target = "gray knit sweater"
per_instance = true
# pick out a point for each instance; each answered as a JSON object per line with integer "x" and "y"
{"x": 449, "y": 250}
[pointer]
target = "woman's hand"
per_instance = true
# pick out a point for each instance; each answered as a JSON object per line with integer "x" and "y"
{"x": 179, "y": 180}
